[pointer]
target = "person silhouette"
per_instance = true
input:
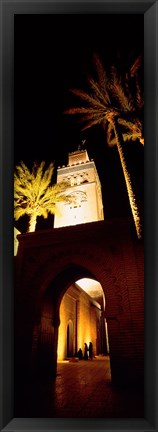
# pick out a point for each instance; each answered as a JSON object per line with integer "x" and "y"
{"x": 85, "y": 351}
{"x": 79, "y": 354}
{"x": 90, "y": 350}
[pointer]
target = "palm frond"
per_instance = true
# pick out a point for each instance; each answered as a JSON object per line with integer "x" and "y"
{"x": 92, "y": 123}
{"x": 99, "y": 92}
{"x": 119, "y": 92}
{"x": 90, "y": 99}
{"x": 19, "y": 212}
{"x": 80, "y": 110}
{"x": 136, "y": 65}
{"x": 139, "y": 96}
{"x": 130, "y": 136}
{"x": 103, "y": 80}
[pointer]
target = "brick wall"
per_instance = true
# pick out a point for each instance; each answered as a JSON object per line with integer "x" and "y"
{"x": 52, "y": 260}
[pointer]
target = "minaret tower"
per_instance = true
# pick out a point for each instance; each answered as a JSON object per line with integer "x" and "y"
{"x": 85, "y": 198}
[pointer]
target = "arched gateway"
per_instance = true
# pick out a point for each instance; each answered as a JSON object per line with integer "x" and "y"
{"x": 48, "y": 262}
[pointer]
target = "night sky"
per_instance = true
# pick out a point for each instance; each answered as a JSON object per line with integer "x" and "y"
{"x": 53, "y": 53}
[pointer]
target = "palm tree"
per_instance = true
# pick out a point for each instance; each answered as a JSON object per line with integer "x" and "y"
{"x": 33, "y": 193}
{"x": 106, "y": 103}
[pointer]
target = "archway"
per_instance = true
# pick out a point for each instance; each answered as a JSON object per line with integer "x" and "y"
{"x": 47, "y": 265}
{"x": 47, "y": 320}
{"x": 47, "y": 286}
{"x": 72, "y": 334}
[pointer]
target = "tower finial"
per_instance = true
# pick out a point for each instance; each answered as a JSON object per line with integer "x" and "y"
{"x": 83, "y": 142}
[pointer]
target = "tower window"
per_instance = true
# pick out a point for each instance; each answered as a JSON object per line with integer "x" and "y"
{"x": 78, "y": 180}
{"x": 72, "y": 181}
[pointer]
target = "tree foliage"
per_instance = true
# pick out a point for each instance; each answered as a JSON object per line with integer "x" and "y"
{"x": 115, "y": 101}
{"x": 112, "y": 95}
{"x": 34, "y": 195}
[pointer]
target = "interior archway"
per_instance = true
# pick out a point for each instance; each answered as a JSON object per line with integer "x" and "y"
{"x": 82, "y": 318}
{"x": 51, "y": 320}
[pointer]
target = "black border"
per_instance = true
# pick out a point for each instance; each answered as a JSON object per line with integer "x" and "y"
{"x": 7, "y": 10}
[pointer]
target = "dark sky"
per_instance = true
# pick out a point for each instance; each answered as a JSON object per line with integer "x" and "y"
{"x": 53, "y": 53}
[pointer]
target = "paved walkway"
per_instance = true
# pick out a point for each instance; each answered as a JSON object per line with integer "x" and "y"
{"x": 83, "y": 389}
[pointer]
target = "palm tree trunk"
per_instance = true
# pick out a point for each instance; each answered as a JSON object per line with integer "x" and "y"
{"x": 32, "y": 222}
{"x": 131, "y": 196}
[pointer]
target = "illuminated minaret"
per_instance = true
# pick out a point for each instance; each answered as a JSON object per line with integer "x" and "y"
{"x": 85, "y": 198}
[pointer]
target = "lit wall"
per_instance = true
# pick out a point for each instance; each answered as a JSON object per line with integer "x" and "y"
{"x": 67, "y": 313}
{"x": 81, "y": 212}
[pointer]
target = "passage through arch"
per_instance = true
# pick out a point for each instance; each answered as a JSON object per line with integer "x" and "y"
{"x": 82, "y": 319}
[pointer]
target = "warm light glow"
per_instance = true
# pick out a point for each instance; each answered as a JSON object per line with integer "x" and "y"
{"x": 107, "y": 338}
{"x": 79, "y": 315}
{"x": 84, "y": 326}
{"x": 61, "y": 351}
{"x": 91, "y": 286}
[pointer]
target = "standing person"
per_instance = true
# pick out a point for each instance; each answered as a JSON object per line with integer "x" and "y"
{"x": 79, "y": 354}
{"x": 85, "y": 351}
{"x": 90, "y": 350}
